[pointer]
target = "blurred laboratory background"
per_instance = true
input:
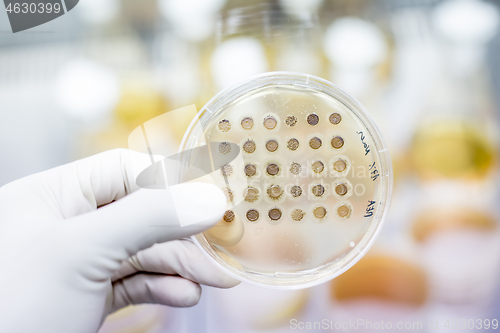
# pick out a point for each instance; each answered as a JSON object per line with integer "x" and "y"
{"x": 428, "y": 71}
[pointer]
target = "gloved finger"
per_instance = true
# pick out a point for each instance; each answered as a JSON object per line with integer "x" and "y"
{"x": 72, "y": 189}
{"x": 86, "y": 184}
{"x": 180, "y": 257}
{"x": 119, "y": 230}
{"x": 155, "y": 289}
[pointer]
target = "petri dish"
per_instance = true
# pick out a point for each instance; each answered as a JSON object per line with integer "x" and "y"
{"x": 311, "y": 183}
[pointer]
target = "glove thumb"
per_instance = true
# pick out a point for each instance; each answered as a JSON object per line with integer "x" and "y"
{"x": 117, "y": 231}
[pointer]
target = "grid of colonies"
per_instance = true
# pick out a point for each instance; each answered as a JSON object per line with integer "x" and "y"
{"x": 275, "y": 191}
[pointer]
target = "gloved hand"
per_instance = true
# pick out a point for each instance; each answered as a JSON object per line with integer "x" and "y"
{"x": 64, "y": 264}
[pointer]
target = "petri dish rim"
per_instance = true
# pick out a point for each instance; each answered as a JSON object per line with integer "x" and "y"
{"x": 321, "y": 274}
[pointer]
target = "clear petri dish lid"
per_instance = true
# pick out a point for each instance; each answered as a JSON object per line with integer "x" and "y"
{"x": 306, "y": 174}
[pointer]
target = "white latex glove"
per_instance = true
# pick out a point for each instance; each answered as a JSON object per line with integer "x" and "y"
{"x": 64, "y": 264}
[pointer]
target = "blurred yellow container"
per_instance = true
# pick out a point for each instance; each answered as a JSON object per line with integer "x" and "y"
{"x": 384, "y": 278}
{"x": 452, "y": 149}
{"x": 139, "y": 102}
{"x": 442, "y": 220}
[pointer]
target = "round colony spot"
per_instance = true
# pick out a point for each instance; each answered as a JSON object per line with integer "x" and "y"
{"x": 274, "y": 191}
{"x": 315, "y": 143}
{"x": 226, "y": 170}
{"x": 296, "y": 191}
{"x": 249, "y": 146}
{"x": 274, "y": 214}
{"x": 312, "y": 119}
{"x": 337, "y": 142}
{"x": 251, "y": 194}
{"x": 295, "y": 168}
{"x": 318, "y": 166}
{"x": 341, "y": 189}
{"x": 319, "y": 212}
{"x": 247, "y": 123}
{"x": 318, "y": 190}
{"x": 298, "y": 214}
{"x": 224, "y": 147}
{"x": 252, "y": 215}
{"x": 272, "y": 145}
{"x": 224, "y": 125}
{"x": 344, "y": 211}
{"x": 335, "y": 118}
{"x": 339, "y": 165}
{"x": 229, "y": 194}
{"x": 229, "y": 216}
{"x": 272, "y": 169}
{"x": 293, "y": 144}
{"x": 270, "y": 122}
{"x": 291, "y": 121}
{"x": 250, "y": 170}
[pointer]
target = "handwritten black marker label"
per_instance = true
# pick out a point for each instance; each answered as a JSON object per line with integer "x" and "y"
{"x": 365, "y": 145}
{"x": 373, "y": 171}
{"x": 370, "y": 208}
